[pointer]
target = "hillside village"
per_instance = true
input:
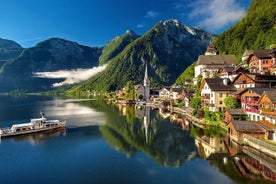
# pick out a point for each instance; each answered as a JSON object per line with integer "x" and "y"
{"x": 251, "y": 84}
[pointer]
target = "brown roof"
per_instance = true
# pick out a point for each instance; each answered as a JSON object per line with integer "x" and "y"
{"x": 262, "y": 54}
{"x": 216, "y": 60}
{"x": 236, "y": 112}
{"x": 271, "y": 95}
{"x": 216, "y": 84}
{"x": 211, "y": 48}
{"x": 248, "y": 126}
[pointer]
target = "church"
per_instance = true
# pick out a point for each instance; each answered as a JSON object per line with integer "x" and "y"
{"x": 142, "y": 92}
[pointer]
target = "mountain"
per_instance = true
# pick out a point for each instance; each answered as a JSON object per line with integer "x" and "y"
{"x": 116, "y": 45}
{"x": 8, "y": 50}
{"x": 47, "y": 56}
{"x": 257, "y": 30}
{"x": 168, "y": 48}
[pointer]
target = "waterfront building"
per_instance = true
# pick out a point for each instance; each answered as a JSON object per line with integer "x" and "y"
{"x": 250, "y": 102}
{"x": 267, "y": 106}
{"x": 213, "y": 92}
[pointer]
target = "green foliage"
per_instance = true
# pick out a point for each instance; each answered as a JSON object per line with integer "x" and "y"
{"x": 115, "y": 46}
{"x": 188, "y": 73}
{"x": 196, "y": 102}
{"x": 181, "y": 104}
{"x": 230, "y": 102}
{"x": 130, "y": 90}
{"x": 257, "y": 30}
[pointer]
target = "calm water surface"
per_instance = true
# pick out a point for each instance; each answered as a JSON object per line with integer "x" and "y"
{"x": 107, "y": 144}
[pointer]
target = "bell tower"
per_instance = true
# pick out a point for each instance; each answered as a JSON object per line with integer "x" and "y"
{"x": 146, "y": 85}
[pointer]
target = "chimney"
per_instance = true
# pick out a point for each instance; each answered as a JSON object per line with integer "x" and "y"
{"x": 225, "y": 81}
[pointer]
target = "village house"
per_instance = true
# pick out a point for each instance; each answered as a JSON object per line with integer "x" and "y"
{"x": 164, "y": 93}
{"x": 267, "y": 106}
{"x": 261, "y": 61}
{"x": 139, "y": 92}
{"x": 244, "y": 80}
{"x": 234, "y": 114}
{"x": 236, "y": 130}
{"x": 230, "y": 72}
{"x": 250, "y": 101}
{"x": 175, "y": 93}
{"x": 208, "y": 64}
{"x": 213, "y": 92}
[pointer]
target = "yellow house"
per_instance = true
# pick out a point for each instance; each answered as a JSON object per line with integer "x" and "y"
{"x": 213, "y": 92}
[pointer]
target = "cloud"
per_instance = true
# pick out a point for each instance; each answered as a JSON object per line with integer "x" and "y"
{"x": 216, "y": 13}
{"x": 70, "y": 76}
{"x": 151, "y": 14}
{"x": 140, "y": 25}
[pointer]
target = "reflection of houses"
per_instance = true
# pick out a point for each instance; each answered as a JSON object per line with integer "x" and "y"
{"x": 213, "y": 92}
{"x": 146, "y": 122}
{"x": 209, "y": 145}
{"x": 234, "y": 114}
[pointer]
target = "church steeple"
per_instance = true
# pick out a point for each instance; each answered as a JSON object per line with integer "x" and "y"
{"x": 146, "y": 84}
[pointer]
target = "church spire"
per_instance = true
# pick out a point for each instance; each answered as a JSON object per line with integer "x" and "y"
{"x": 146, "y": 84}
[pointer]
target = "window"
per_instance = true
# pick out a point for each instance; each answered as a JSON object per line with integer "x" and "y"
{"x": 220, "y": 95}
{"x": 220, "y": 102}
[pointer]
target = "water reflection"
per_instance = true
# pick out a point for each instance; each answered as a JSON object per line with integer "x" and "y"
{"x": 171, "y": 141}
{"x": 142, "y": 129}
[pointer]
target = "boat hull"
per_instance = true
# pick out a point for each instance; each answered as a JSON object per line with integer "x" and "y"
{"x": 25, "y": 132}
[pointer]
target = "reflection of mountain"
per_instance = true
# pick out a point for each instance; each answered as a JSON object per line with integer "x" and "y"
{"x": 165, "y": 142}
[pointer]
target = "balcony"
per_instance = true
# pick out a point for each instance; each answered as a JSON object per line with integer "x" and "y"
{"x": 205, "y": 96}
{"x": 251, "y": 102}
{"x": 208, "y": 104}
{"x": 268, "y": 112}
{"x": 252, "y": 110}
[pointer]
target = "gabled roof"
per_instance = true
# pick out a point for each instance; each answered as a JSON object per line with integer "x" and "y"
{"x": 228, "y": 68}
{"x": 236, "y": 112}
{"x": 177, "y": 90}
{"x": 248, "y": 126}
{"x": 270, "y": 94}
{"x": 260, "y": 78}
{"x": 262, "y": 54}
{"x": 216, "y": 60}
{"x": 216, "y": 84}
{"x": 258, "y": 91}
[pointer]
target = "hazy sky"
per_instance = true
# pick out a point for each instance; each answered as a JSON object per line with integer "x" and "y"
{"x": 95, "y": 22}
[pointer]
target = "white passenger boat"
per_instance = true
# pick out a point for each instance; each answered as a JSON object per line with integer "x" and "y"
{"x": 35, "y": 125}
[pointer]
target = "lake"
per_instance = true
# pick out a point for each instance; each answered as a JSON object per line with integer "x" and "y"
{"x": 110, "y": 144}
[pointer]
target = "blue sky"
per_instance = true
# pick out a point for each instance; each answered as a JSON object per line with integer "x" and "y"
{"x": 95, "y": 22}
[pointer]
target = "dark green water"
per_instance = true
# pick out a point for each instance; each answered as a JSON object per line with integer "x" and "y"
{"x": 102, "y": 144}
